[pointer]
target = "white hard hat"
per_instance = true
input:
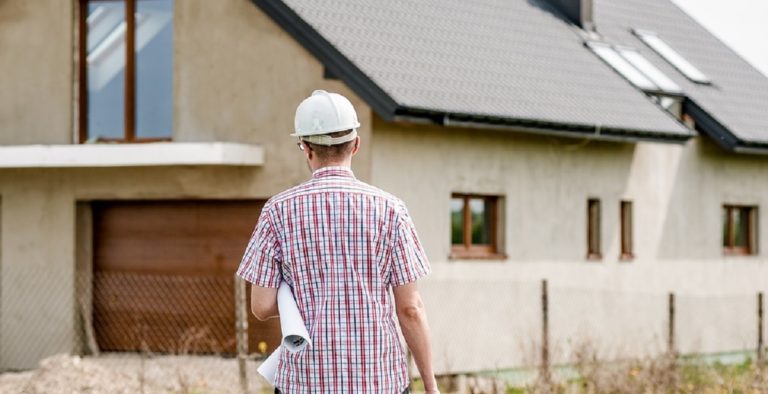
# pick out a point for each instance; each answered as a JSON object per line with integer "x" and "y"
{"x": 325, "y": 113}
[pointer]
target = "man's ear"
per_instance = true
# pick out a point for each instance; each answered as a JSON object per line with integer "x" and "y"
{"x": 357, "y": 145}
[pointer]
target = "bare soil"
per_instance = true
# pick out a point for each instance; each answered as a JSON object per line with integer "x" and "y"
{"x": 132, "y": 373}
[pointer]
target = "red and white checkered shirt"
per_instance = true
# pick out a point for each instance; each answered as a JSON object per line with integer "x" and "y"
{"x": 340, "y": 244}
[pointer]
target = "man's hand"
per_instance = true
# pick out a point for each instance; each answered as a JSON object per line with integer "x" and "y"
{"x": 413, "y": 323}
{"x": 264, "y": 302}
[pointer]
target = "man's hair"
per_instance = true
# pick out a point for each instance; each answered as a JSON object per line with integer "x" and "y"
{"x": 333, "y": 153}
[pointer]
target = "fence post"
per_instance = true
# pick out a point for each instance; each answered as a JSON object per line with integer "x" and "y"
{"x": 760, "y": 328}
{"x": 545, "y": 373}
{"x": 671, "y": 325}
{"x": 241, "y": 331}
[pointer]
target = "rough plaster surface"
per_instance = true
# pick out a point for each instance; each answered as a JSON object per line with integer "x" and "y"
{"x": 617, "y": 307}
{"x": 36, "y": 69}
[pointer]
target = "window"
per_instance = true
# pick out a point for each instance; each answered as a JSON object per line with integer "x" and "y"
{"x": 625, "y": 212}
{"x": 635, "y": 68}
{"x": 126, "y": 67}
{"x": 739, "y": 230}
{"x": 649, "y": 70}
{"x": 672, "y": 104}
{"x": 474, "y": 221}
{"x": 593, "y": 229}
{"x": 670, "y": 55}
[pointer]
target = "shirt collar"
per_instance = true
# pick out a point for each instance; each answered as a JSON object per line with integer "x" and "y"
{"x": 333, "y": 171}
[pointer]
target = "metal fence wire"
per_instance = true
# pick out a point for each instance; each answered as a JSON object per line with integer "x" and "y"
{"x": 160, "y": 332}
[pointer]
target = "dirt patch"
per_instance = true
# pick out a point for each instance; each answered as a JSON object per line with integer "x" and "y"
{"x": 132, "y": 373}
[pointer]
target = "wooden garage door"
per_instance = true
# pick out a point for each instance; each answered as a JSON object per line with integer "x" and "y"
{"x": 163, "y": 276}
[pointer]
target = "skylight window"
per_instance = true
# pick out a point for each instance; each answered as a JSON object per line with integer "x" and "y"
{"x": 606, "y": 52}
{"x": 675, "y": 59}
{"x": 649, "y": 70}
{"x": 634, "y": 67}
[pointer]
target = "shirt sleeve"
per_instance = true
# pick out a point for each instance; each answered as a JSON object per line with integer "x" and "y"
{"x": 261, "y": 262}
{"x": 409, "y": 261}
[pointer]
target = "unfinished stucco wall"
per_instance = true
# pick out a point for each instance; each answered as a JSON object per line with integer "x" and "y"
{"x": 37, "y": 300}
{"x": 620, "y": 307}
{"x": 239, "y": 77}
{"x": 36, "y": 71}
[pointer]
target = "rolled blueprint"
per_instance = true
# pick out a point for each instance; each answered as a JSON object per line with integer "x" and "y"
{"x": 295, "y": 335}
{"x": 268, "y": 368}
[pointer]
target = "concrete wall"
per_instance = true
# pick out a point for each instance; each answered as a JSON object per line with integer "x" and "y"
{"x": 620, "y": 307}
{"x": 36, "y": 70}
{"x": 239, "y": 77}
{"x": 37, "y": 300}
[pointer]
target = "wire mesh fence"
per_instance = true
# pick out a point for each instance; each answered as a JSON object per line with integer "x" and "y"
{"x": 149, "y": 332}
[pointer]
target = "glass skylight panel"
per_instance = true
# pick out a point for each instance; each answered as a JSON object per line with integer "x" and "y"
{"x": 678, "y": 61}
{"x": 649, "y": 70}
{"x": 621, "y": 65}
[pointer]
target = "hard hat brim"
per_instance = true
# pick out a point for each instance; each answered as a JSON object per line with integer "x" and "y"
{"x": 327, "y": 140}
{"x": 298, "y": 133}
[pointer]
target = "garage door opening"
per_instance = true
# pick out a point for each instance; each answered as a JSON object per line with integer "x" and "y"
{"x": 163, "y": 276}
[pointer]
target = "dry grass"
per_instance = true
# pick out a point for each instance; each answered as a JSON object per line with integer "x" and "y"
{"x": 661, "y": 374}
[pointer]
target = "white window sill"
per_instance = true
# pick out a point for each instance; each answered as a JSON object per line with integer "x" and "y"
{"x": 132, "y": 155}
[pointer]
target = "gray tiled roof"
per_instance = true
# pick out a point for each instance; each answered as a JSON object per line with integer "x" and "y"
{"x": 520, "y": 60}
{"x": 512, "y": 59}
{"x": 738, "y": 97}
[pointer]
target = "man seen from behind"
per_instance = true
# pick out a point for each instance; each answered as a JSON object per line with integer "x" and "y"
{"x": 346, "y": 249}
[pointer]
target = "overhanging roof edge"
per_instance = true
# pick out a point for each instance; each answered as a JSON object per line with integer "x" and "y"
{"x": 338, "y": 64}
{"x": 538, "y": 126}
{"x": 715, "y": 130}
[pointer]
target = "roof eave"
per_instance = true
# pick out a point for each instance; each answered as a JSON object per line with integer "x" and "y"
{"x": 539, "y": 127}
{"x": 336, "y": 63}
{"x": 715, "y": 130}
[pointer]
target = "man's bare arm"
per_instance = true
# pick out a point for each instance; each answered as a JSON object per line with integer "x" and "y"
{"x": 264, "y": 302}
{"x": 413, "y": 323}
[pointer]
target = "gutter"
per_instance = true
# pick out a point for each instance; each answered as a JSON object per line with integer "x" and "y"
{"x": 570, "y": 130}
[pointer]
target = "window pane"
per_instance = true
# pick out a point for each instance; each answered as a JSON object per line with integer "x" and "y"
{"x": 154, "y": 68}
{"x": 626, "y": 227}
{"x": 726, "y": 228}
{"x": 670, "y": 55}
{"x": 457, "y": 221}
{"x": 649, "y": 70}
{"x": 740, "y": 218}
{"x": 481, "y": 221}
{"x": 106, "y": 69}
{"x": 593, "y": 224}
{"x": 621, "y": 65}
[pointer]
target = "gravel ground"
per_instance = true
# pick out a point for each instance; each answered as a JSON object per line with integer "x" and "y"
{"x": 132, "y": 373}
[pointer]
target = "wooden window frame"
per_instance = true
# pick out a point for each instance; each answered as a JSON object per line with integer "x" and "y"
{"x": 626, "y": 234}
{"x": 129, "y": 104}
{"x": 729, "y": 239}
{"x": 468, "y": 250}
{"x": 593, "y": 231}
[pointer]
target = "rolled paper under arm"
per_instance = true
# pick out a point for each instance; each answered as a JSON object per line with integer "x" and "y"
{"x": 295, "y": 334}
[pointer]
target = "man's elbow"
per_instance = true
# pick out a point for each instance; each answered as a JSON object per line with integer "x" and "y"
{"x": 411, "y": 312}
{"x": 261, "y": 313}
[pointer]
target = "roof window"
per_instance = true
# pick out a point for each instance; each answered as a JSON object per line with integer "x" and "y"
{"x": 675, "y": 59}
{"x": 635, "y": 68}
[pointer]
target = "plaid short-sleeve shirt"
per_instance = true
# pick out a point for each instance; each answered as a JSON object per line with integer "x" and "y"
{"x": 340, "y": 244}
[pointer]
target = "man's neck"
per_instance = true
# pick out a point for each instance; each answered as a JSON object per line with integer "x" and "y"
{"x": 344, "y": 163}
